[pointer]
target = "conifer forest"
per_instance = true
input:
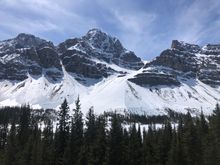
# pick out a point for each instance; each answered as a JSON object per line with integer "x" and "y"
{"x": 28, "y": 137}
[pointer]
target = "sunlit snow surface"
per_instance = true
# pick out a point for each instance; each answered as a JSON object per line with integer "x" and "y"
{"x": 112, "y": 93}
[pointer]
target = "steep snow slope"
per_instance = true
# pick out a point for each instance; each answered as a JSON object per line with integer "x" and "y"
{"x": 118, "y": 93}
{"x": 40, "y": 92}
{"x": 105, "y": 75}
{"x": 112, "y": 93}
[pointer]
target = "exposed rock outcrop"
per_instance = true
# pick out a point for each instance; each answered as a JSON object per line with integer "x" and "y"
{"x": 186, "y": 61}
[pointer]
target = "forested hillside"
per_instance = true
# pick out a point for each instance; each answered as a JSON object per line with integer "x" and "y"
{"x": 27, "y": 138}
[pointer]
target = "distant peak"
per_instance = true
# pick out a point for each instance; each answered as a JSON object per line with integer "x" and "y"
{"x": 94, "y": 30}
{"x": 183, "y": 46}
{"x": 94, "y": 33}
{"x": 24, "y": 35}
{"x": 177, "y": 44}
{"x": 24, "y": 40}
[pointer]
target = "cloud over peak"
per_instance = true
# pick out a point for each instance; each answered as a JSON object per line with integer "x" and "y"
{"x": 146, "y": 27}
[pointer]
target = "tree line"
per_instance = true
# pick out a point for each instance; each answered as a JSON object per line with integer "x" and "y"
{"x": 105, "y": 140}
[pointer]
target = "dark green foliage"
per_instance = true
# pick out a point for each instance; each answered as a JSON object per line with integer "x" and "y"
{"x": 11, "y": 147}
{"x": 62, "y": 132}
{"x": 135, "y": 146}
{"x": 115, "y": 141}
{"x": 74, "y": 152}
{"x": 107, "y": 139}
{"x": 24, "y": 126}
{"x": 48, "y": 144}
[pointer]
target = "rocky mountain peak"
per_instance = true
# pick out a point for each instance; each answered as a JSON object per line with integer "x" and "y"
{"x": 183, "y": 46}
{"x": 25, "y": 36}
{"x": 102, "y": 40}
{"x": 95, "y": 31}
{"x": 24, "y": 40}
{"x": 28, "y": 55}
{"x": 95, "y": 34}
{"x": 96, "y": 45}
{"x": 89, "y": 56}
{"x": 211, "y": 49}
{"x": 82, "y": 62}
{"x": 182, "y": 62}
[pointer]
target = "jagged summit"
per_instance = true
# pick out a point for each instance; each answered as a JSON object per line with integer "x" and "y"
{"x": 28, "y": 55}
{"x": 28, "y": 40}
{"x": 98, "y": 33}
{"x": 97, "y": 67}
{"x": 188, "y": 61}
{"x": 24, "y": 40}
{"x": 95, "y": 31}
{"x": 183, "y": 46}
{"x": 23, "y": 36}
{"x": 209, "y": 49}
{"x": 96, "y": 46}
{"x": 88, "y": 56}
{"x": 102, "y": 40}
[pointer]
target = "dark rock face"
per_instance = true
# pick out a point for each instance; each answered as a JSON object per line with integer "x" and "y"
{"x": 27, "y": 54}
{"x": 211, "y": 49}
{"x": 88, "y": 56}
{"x": 181, "y": 46}
{"x": 92, "y": 56}
{"x": 97, "y": 44}
{"x": 153, "y": 79}
{"x": 176, "y": 60}
{"x": 83, "y": 66}
{"x": 27, "y": 41}
{"x": 49, "y": 58}
{"x": 184, "y": 60}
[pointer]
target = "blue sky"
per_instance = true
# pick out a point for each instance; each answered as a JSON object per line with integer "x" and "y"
{"x": 144, "y": 26}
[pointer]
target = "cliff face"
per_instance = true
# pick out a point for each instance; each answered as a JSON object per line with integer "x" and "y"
{"x": 107, "y": 76}
{"x": 27, "y": 54}
{"x": 183, "y": 61}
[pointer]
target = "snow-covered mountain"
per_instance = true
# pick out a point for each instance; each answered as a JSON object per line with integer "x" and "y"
{"x": 107, "y": 76}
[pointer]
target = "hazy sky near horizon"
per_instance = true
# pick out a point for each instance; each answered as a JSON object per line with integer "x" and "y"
{"x": 144, "y": 26}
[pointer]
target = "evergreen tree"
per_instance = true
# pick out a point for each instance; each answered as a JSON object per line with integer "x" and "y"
{"x": 74, "y": 153}
{"x": 115, "y": 142}
{"x": 24, "y": 125}
{"x": 90, "y": 136}
{"x": 90, "y": 127}
{"x": 62, "y": 132}
{"x": 135, "y": 147}
{"x": 214, "y": 138}
{"x": 11, "y": 149}
{"x": 150, "y": 146}
{"x": 173, "y": 153}
{"x": 202, "y": 132}
{"x": 100, "y": 155}
{"x": 179, "y": 144}
{"x": 48, "y": 144}
{"x": 125, "y": 144}
{"x": 36, "y": 152}
{"x": 165, "y": 140}
{"x": 190, "y": 142}
{"x": 194, "y": 141}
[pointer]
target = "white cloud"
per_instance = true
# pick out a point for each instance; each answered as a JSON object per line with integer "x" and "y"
{"x": 17, "y": 24}
{"x": 195, "y": 22}
{"x": 142, "y": 28}
{"x": 37, "y": 16}
{"x": 137, "y": 22}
